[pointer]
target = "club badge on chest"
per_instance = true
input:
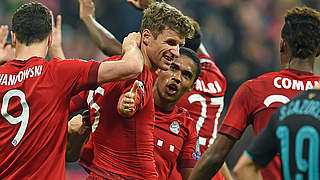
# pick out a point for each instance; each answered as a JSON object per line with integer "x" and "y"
{"x": 175, "y": 127}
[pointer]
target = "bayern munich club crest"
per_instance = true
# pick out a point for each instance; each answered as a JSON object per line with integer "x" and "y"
{"x": 175, "y": 127}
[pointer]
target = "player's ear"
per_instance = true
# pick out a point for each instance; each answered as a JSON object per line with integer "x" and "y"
{"x": 13, "y": 38}
{"x": 146, "y": 37}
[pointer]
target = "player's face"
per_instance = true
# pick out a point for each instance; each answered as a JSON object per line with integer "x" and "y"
{"x": 175, "y": 82}
{"x": 164, "y": 49}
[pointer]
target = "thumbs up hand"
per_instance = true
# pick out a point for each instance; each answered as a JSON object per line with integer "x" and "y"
{"x": 126, "y": 105}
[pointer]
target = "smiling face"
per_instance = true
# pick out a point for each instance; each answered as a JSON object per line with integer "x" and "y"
{"x": 172, "y": 84}
{"x": 162, "y": 50}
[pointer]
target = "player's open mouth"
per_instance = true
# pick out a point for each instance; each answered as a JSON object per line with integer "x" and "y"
{"x": 172, "y": 89}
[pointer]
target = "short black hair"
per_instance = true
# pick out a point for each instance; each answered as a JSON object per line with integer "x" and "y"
{"x": 194, "y": 42}
{"x": 302, "y": 31}
{"x": 32, "y": 23}
{"x": 193, "y": 55}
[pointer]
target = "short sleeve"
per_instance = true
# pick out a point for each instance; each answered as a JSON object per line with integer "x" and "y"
{"x": 237, "y": 117}
{"x": 188, "y": 154}
{"x": 264, "y": 147}
{"x": 74, "y": 75}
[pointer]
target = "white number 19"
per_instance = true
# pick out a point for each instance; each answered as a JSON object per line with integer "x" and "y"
{"x": 23, "y": 118}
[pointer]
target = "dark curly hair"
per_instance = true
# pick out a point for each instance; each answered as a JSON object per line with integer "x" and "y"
{"x": 32, "y": 23}
{"x": 302, "y": 31}
{"x": 160, "y": 15}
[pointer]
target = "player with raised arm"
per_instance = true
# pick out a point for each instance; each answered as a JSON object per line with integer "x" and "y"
{"x": 175, "y": 132}
{"x": 122, "y": 136}
{"x": 35, "y": 95}
{"x": 293, "y": 131}
{"x": 256, "y": 99}
{"x": 206, "y": 100}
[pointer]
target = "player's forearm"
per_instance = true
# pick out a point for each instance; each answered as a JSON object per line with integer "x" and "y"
{"x": 102, "y": 37}
{"x": 129, "y": 67}
{"x": 206, "y": 168}
{"x": 212, "y": 160}
{"x": 76, "y": 141}
{"x": 246, "y": 169}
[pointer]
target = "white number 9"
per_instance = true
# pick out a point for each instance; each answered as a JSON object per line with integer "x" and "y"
{"x": 23, "y": 118}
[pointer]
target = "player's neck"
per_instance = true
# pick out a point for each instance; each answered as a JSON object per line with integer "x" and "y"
{"x": 24, "y": 52}
{"x": 166, "y": 108}
{"x": 147, "y": 60}
{"x": 302, "y": 64}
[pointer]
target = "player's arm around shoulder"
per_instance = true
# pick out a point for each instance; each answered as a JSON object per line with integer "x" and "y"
{"x": 130, "y": 66}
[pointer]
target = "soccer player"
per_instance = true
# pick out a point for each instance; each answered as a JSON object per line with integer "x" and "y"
{"x": 175, "y": 132}
{"x": 206, "y": 100}
{"x": 35, "y": 95}
{"x": 257, "y": 99}
{"x": 293, "y": 131}
{"x": 122, "y": 135}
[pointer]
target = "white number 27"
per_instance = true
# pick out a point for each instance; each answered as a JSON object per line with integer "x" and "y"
{"x": 23, "y": 118}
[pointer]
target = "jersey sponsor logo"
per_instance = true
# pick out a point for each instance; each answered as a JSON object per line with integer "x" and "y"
{"x": 175, "y": 127}
{"x": 286, "y": 83}
{"x": 11, "y": 79}
{"x": 208, "y": 87}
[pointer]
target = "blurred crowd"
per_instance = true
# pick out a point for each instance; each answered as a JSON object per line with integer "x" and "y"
{"x": 241, "y": 35}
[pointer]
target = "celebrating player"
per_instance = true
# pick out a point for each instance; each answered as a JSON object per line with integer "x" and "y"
{"x": 206, "y": 100}
{"x": 122, "y": 135}
{"x": 257, "y": 99}
{"x": 35, "y": 95}
{"x": 175, "y": 132}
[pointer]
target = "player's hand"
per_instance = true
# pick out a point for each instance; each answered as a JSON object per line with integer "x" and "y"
{"x": 140, "y": 4}
{"x": 87, "y": 9}
{"x": 56, "y": 32}
{"x": 133, "y": 40}
{"x": 80, "y": 124}
{"x": 6, "y": 51}
{"x": 127, "y": 105}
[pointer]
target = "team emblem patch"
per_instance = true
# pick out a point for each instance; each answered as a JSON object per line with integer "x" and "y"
{"x": 175, "y": 127}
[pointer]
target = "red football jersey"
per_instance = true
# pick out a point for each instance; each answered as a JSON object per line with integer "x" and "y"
{"x": 121, "y": 145}
{"x": 256, "y": 100}
{"x": 175, "y": 140}
{"x": 35, "y": 96}
{"x": 205, "y": 103}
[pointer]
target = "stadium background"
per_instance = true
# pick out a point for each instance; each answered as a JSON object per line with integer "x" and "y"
{"x": 241, "y": 35}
